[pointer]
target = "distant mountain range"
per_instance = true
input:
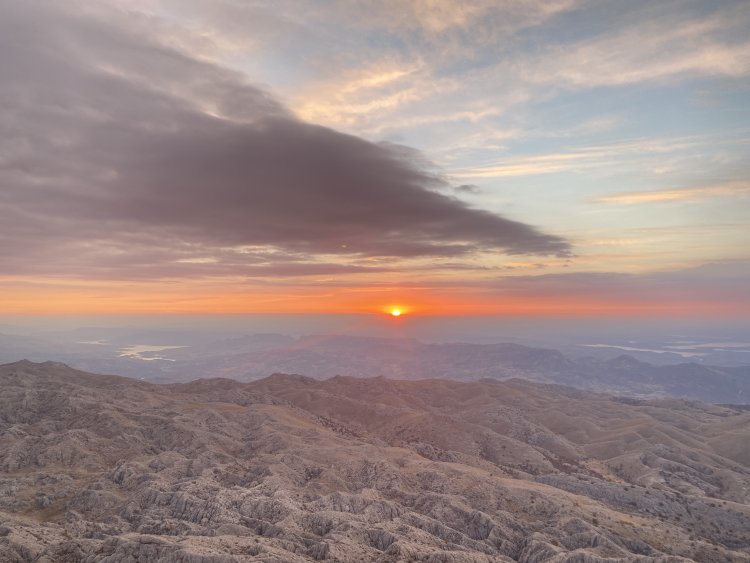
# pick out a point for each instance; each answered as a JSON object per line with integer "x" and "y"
{"x": 247, "y": 358}
{"x": 291, "y": 469}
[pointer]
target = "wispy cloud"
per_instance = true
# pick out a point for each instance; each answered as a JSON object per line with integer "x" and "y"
{"x": 579, "y": 158}
{"x": 649, "y": 43}
{"x": 661, "y": 43}
{"x": 739, "y": 189}
{"x": 376, "y": 64}
{"x": 531, "y": 165}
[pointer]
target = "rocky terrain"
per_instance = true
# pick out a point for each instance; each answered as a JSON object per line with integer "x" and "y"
{"x": 290, "y": 468}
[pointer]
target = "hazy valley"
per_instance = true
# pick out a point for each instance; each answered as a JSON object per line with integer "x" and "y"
{"x": 180, "y": 356}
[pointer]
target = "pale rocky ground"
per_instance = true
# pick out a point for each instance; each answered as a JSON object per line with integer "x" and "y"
{"x": 102, "y": 468}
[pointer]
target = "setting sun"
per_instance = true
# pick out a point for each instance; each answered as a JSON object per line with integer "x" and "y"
{"x": 396, "y": 312}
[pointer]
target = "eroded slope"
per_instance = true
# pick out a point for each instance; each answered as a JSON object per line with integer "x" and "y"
{"x": 96, "y": 468}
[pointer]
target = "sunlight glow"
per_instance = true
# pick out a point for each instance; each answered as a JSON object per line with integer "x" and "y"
{"x": 396, "y": 312}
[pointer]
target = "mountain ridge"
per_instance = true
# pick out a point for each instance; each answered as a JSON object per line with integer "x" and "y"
{"x": 290, "y": 468}
{"x": 250, "y": 357}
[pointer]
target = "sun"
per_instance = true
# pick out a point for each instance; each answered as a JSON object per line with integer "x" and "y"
{"x": 396, "y": 310}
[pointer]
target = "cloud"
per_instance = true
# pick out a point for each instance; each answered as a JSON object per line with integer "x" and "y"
{"x": 644, "y": 152}
{"x": 468, "y": 189}
{"x": 402, "y": 64}
{"x": 729, "y": 189}
{"x": 113, "y": 142}
{"x": 711, "y": 289}
{"x": 531, "y": 165}
{"x": 725, "y": 281}
{"x": 508, "y": 56}
{"x": 658, "y": 42}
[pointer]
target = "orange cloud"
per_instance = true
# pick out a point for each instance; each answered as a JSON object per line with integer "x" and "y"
{"x": 729, "y": 189}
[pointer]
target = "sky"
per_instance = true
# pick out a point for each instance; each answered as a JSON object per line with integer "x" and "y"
{"x": 527, "y": 157}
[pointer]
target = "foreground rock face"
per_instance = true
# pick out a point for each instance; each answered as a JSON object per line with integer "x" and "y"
{"x": 102, "y": 468}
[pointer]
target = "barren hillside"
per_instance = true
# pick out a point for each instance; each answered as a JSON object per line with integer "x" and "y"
{"x": 288, "y": 468}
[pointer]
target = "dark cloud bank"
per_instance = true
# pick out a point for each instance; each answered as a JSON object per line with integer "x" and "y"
{"x": 113, "y": 141}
